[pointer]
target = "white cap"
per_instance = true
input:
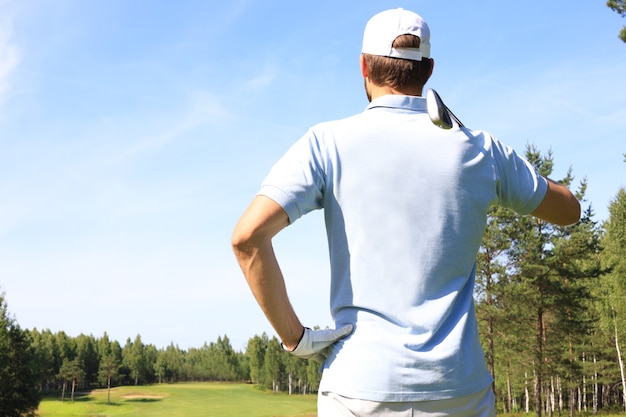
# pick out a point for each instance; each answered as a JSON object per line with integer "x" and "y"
{"x": 385, "y": 27}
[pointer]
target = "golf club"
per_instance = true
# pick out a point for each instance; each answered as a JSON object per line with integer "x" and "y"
{"x": 438, "y": 112}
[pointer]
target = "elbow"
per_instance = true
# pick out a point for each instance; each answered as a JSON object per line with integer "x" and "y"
{"x": 256, "y": 227}
{"x": 575, "y": 212}
{"x": 240, "y": 242}
{"x": 571, "y": 215}
{"x": 246, "y": 242}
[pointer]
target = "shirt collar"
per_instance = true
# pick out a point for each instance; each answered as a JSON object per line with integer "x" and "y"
{"x": 395, "y": 101}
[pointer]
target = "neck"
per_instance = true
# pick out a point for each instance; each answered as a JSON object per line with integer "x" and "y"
{"x": 376, "y": 91}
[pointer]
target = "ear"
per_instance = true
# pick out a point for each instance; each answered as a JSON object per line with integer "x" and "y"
{"x": 364, "y": 68}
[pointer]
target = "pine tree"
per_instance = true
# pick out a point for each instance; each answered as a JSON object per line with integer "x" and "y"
{"x": 18, "y": 377}
{"x": 73, "y": 371}
{"x": 491, "y": 279}
{"x": 533, "y": 282}
{"x": 108, "y": 371}
{"x": 614, "y": 258}
{"x": 134, "y": 357}
{"x": 575, "y": 260}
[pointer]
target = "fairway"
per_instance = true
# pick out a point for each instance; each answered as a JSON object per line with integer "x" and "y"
{"x": 184, "y": 400}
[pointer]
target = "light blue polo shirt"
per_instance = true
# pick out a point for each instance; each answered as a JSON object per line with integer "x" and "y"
{"x": 405, "y": 206}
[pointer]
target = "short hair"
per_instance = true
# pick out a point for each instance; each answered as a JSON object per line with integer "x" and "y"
{"x": 397, "y": 73}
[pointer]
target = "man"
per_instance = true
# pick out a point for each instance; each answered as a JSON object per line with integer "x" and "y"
{"x": 405, "y": 207}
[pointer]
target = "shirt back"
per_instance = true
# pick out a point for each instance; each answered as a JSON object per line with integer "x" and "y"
{"x": 405, "y": 206}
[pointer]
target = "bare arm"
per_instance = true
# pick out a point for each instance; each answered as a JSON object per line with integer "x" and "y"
{"x": 559, "y": 205}
{"x": 252, "y": 244}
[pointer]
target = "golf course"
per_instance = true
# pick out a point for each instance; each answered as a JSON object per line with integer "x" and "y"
{"x": 184, "y": 400}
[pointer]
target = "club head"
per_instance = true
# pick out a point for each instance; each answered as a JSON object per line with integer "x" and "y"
{"x": 437, "y": 111}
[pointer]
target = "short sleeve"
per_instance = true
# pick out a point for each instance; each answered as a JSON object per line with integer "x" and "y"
{"x": 519, "y": 186}
{"x": 296, "y": 181}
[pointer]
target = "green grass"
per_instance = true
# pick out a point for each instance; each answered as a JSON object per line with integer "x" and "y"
{"x": 181, "y": 400}
{"x": 191, "y": 400}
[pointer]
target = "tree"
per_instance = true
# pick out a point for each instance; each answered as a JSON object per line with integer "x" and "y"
{"x": 109, "y": 369}
{"x": 619, "y": 6}
{"x": 134, "y": 358}
{"x": 532, "y": 294}
{"x": 491, "y": 278}
{"x": 150, "y": 354}
{"x": 71, "y": 370}
{"x": 292, "y": 365}
{"x": 273, "y": 364}
{"x": 313, "y": 377}
{"x": 66, "y": 350}
{"x": 255, "y": 351}
{"x": 18, "y": 378}
{"x": 534, "y": 282}
{"x": 503, "y": 315}
{"x": 46, "y": 358}
{"x": 169, "y": 364}
{"x": 86, "y": 351}
{"x": 226, "y": 359}
{"x": 109, "y": 362}
{"x": 575, "y": 258}
{"x": 160, "y": 367}
{"x": 614, "y": 257}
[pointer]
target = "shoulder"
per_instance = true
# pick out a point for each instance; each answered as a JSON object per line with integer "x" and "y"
{"x": 496, "y": 149}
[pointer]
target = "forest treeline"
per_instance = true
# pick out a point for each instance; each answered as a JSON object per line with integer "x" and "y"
{"x": 550, "y": 301}
{"x": 67, "y": 363}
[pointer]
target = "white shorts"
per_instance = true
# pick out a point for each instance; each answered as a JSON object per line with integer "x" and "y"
{"x": 481, "y": 404}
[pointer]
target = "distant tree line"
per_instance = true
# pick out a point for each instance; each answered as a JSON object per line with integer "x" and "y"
{"x": 551, "y": 305}
{"x": 84, "y": 362}
{"x": 37, "y": 362}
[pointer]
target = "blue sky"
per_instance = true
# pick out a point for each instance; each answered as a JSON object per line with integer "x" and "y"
{"x": 134, "y": 133}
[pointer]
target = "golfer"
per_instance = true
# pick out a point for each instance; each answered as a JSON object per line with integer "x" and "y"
{"x": 405, "y": 205}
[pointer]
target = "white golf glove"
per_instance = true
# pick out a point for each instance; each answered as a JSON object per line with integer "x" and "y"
{"x": 314, "y": 343}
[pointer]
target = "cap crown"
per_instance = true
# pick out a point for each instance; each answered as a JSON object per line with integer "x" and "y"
{"x": 385, "y": 27}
